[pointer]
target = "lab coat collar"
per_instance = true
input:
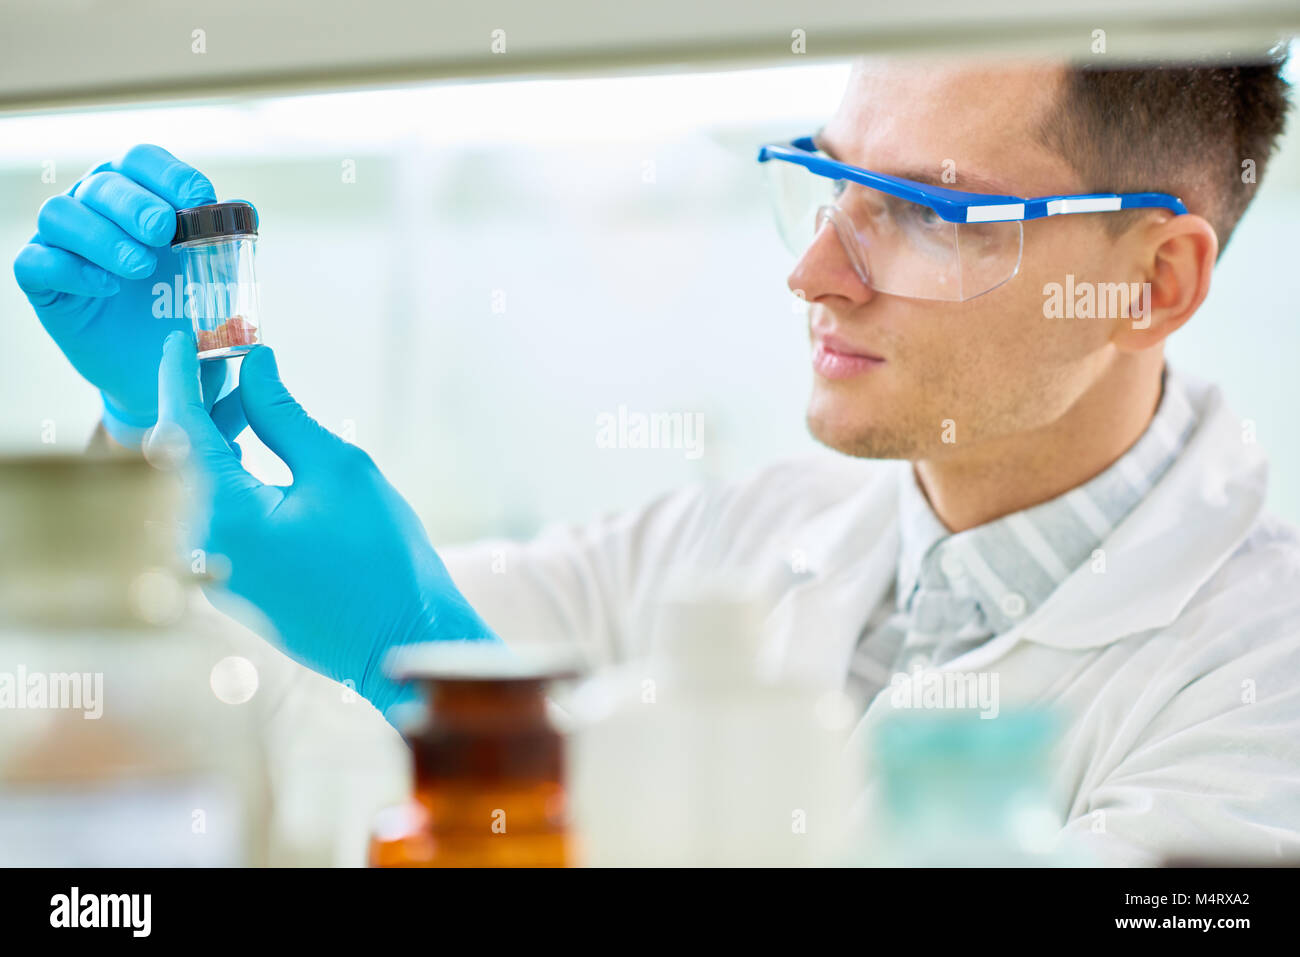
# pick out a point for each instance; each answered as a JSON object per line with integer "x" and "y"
{"x": 1165, "y": 549}
{"x": 927, "y": 543}
{"x": 853, "y": 551}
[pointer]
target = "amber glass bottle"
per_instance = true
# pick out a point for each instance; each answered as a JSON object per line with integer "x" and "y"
{"x": 489, "y": 776}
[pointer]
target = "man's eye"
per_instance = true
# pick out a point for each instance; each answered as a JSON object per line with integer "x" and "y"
{"x": 838, "y": 186}
{"x": 921, "y": 215}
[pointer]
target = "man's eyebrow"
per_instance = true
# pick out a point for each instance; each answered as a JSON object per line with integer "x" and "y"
{"x": 968, "y": 182}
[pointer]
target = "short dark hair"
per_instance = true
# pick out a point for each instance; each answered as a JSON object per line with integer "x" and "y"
{"x": 1182, "y": 128}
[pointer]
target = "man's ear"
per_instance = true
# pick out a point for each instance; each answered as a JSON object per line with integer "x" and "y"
{"x": 1176, "y": 259}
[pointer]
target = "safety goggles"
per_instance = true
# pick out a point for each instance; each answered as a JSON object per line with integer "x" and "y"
{"x": 911, "y": 239}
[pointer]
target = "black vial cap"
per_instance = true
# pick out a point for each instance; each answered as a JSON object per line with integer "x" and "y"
{"x": 214, "y": 221}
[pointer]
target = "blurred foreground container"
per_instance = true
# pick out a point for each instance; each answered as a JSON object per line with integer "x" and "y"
{"x": 490, "y": 781}
{"x": 696, "y": 757}
{"x": 122, "y": 742}
{"x": 958, "y": 790}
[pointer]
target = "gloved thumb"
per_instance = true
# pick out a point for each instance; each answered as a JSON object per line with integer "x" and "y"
{"x": 276, "y": 417}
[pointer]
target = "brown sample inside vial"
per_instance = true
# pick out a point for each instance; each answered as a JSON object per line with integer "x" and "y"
{"x": 235, "y": 331}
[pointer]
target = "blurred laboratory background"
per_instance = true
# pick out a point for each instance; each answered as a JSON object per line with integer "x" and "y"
{"x": 463, "y": 277}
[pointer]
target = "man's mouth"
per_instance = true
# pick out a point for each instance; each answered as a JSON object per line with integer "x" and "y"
{"x": 835, "y": 358}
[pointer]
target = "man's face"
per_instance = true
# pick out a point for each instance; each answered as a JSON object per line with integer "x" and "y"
{"x": 993, "y": 365}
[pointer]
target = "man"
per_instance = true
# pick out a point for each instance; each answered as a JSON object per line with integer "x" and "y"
{"x": 1034, "y": 496}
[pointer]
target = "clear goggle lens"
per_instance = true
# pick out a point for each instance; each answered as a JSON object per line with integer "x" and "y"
{"x": 895, "y": 246}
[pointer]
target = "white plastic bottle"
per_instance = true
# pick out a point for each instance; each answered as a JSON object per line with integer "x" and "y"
{"x": 694, "y": 756}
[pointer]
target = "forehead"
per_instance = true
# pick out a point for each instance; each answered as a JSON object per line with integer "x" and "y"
{"x": 926, "y": 116}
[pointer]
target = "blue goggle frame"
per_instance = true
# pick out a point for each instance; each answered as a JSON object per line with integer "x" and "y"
{"x": 957, "y": 206}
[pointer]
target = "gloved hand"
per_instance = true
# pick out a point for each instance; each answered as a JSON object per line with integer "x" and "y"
{"x": 337, "y": 562}
{"x": 90, "y": 273}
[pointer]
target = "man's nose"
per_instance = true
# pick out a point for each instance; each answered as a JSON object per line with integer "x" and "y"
{"x": 826, "y": 270}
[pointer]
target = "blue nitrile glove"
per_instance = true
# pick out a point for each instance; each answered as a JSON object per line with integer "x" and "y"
{"x": 91, "y": 270}
{"x": 337, "y": 562}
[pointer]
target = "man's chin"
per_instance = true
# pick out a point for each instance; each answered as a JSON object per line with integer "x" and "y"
{"x": 853, "y": 436}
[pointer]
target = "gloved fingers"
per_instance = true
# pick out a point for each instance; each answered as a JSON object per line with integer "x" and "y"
{"x": 227, "y": 410}
{"x": 212, "y": 378}
{"x": 140, "y": 213}
{"x": 228, "y": 416}
{"x": 186, "y": 434}
{"x": 278, "y": 420}
{"x": 45, "y": 271}
{"x": 158, "y": 171}
{"x": 69, "y": 224}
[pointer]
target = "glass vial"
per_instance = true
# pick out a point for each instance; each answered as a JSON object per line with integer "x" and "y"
{"x": 217, "y": 244}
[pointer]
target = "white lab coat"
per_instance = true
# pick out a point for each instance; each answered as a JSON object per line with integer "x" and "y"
{"x": 1177, "y": 668}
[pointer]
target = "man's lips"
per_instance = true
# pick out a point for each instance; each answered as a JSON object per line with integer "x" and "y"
{"x": 840, "y": 346}
{"x": 833, "y": 358}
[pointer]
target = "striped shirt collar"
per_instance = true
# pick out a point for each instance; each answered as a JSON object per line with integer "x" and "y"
{"x": 1009, "y": 566}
